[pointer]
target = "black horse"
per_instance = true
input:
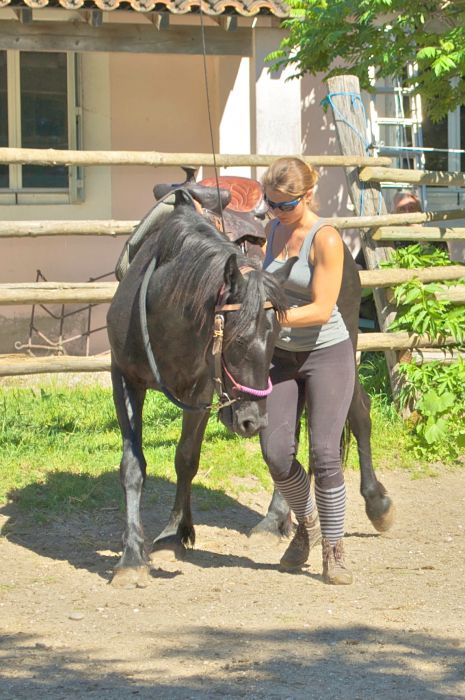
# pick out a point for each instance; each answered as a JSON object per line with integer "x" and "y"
{"x": 190, "y": 314}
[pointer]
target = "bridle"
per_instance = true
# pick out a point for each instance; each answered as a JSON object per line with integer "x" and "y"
{"x": 217, "y": 351}
{"x": 220, "y": 364}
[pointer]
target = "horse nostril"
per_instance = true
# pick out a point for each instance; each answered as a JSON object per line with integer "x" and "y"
{"x": 249, "y": 427}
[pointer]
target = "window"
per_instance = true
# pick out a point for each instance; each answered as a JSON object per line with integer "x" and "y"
{"x": 448, "y": 137}
{"x": 449, "y": 133}
{"x": 39, "y": 108}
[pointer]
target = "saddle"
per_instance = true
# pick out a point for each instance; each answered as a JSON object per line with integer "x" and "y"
{"x": 234, "y": 205}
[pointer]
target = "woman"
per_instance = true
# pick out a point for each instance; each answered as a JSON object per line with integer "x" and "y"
{"x": 313, "y": 366}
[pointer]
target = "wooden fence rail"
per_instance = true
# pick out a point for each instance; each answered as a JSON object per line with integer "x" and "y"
{"x": 395, "y": 275}
{"x": 15, "y": 365}
{"x": 51, "y": 156}
{"x": 15, "y": 293}
{"x": 109, "y": 227}
{"x": 56, "y": 293}
{"x": 95, "y": 227}
{"x": 418, "y": 233}
{"x": 431, "y": 178}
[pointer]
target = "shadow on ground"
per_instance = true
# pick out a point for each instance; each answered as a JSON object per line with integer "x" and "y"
{"x": 353, "y": 662}
{"x": 78, "y": 531}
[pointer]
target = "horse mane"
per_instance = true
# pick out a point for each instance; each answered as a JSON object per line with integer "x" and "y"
{"x": 201, "y": 253}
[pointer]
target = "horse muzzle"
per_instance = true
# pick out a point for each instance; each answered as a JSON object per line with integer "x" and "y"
{"x": 246, "y": 418}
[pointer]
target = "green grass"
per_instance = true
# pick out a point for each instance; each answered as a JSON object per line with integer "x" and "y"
{"x": 60, "y": 448}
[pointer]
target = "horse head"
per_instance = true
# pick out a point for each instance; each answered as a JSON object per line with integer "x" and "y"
{"x": 252, "y": 302}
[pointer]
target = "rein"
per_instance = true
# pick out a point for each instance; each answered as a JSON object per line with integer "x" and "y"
{"x": 217, "y": 351}
{"x": 148, "y": 347}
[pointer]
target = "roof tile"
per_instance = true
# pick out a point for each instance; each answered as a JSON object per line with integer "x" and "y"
{"x": 245, "y": 8}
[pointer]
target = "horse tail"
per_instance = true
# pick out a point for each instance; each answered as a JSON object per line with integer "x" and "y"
{"x": 345, "y": 444}
{"x": 345, "y": 437}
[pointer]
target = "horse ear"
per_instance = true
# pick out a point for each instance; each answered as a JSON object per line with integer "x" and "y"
{"x": 283, "y": 272}
{"x": 233, "y": 279}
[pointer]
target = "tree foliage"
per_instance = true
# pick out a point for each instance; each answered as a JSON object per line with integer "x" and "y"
{"x": 349, "y": 36}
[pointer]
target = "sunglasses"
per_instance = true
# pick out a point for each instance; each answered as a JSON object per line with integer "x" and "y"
{"x": 284, "y": 206}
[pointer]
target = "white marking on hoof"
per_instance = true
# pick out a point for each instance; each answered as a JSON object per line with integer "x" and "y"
{"x": 163, "y": 555}
{"x": 386, "y": 521}
{"x": 131, "y": 577}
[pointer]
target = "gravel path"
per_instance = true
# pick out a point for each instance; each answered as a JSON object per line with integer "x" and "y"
{"x": 226, "y": 623}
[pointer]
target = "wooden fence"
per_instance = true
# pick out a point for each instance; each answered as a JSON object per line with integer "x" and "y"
{"x": 384, "y": 227}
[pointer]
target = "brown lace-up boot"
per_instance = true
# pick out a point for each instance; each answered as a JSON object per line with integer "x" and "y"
{"x": 307, "y": 535}
{"x": 335, "y": 570}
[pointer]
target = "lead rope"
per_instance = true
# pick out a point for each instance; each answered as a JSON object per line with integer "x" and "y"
{"x": 207, "y": 94}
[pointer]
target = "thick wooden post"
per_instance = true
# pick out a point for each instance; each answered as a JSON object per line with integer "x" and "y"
{"x": 351, "y": 129}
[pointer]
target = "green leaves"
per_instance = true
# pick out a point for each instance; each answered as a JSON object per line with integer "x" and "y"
{"x": 418, "y": 255}
{"x": 435, "y": 429}
{"x": 388, "y": 34}
{"x": 433, "y": 403}
{"x": 434, "y": 391}
{"x": 427, "y": 52}
{"x": 443, "y": 65}
{"x": 419, "y": 310}
{"x": 436, "y": 394}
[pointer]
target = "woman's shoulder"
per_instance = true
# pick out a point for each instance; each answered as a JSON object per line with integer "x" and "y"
{"x": 327, "y": 241}
{"x": 318, "y": 230}
{"x": 327, "y": 231}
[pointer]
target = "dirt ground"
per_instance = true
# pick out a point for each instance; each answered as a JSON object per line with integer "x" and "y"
{"x": 226, "y": 623}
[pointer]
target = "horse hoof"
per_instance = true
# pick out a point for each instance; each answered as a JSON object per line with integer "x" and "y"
{"x": 167, "y": 549}
{"x": 266, "y": 529}
{"x": 131, "y": 577}
{"x": 385, "y": 521}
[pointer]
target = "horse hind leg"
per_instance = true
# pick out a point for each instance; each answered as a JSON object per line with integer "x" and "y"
{"x": 179, "y": 532}
{"x": 277, "y": 521}
{"x": 378, "y": 505}
{"x": 133, "y": 568}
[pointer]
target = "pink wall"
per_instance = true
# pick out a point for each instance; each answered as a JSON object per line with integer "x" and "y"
{"x": 157, "y": 103}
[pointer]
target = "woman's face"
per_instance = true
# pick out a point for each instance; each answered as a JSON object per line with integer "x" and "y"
{"x": 286, "y": 207}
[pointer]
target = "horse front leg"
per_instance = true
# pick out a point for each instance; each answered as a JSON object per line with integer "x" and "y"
{"x": 180, "y": 529}
{"x": 378, "y": 505}
{"x": 132, "y": 569}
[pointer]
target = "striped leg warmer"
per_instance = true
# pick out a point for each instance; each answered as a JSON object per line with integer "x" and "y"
{"x": 331, "y": 505}
{"x": 296, "y": 491}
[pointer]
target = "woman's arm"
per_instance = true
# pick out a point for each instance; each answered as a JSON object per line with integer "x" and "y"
{"x": 328, "y": 260}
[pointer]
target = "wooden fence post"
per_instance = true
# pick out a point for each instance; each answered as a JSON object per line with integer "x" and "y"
{"x": 351, "y": 129}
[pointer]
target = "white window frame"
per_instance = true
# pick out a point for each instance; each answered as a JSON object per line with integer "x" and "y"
{"x": 16, "y": 193}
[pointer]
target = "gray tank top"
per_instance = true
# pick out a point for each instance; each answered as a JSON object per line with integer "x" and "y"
{"x": 297, "y": 290}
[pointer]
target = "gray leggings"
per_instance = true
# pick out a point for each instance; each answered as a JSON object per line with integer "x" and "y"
{"x": 323, "y": 380}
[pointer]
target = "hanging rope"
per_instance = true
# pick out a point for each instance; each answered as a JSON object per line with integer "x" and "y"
{"x": 207, "y": 93}
{"x": 357, "y": 102}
